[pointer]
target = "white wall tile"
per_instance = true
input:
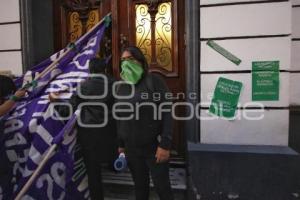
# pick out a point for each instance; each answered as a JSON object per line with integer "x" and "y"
{"x": 271, "y": 129}
{"x": 10, "y": 36}
{"x": 246, "y": 20}
{"x": 209, "y": 81}
{"x": 296, "y": 22}
{"x": 9, "y": 11}
{"x": 296, "y": 2}
{"x": 295, "y": 65}
{"x": 247, "y": 50}
{"x": 11, "y": 61}
{"x": 208, "y": 2}
{"x": 294, "y": 88}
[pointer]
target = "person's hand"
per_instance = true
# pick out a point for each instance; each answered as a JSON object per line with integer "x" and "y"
{"x": 53, "y": 96}
{"x": 121, "y": 150}
{"x": 20, "y": 93}
{"x": 162, "y": 155}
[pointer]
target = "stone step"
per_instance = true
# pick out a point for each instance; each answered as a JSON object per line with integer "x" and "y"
{"x": 177, "y": 178}
{"x": 119, "y": 185}
{"x": 113, "y": 192}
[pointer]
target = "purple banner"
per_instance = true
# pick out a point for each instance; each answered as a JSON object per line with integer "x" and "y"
{"x": 29, "y": 130}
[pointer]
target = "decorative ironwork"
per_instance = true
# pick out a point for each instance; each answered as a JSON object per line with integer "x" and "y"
{"x": 143, "y": 30}
{"x": 92, "y": 19}
{"x": 82, "y": 15}
{"x": 75, "y": 26}
{"x": 163, "y": 36}
{"x": 154, "y": 32}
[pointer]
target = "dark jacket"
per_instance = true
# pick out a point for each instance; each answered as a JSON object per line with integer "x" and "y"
{"x": 143, "y": 129}
{"x": 101, "y": 140}
{"x": 91, "y": 87}
{"x": 5, "y": 166}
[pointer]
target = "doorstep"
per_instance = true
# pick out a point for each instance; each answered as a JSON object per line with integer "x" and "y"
{"x": 177, "y": 178}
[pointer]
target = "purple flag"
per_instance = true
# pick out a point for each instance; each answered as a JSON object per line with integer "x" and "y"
{"x": 29, "y": 131}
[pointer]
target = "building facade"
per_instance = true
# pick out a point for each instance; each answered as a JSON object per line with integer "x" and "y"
{"x": 225, "y": 159}
{"x": 242, "y": 158}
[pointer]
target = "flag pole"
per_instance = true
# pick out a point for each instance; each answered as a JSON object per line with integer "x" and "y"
{"x": 53, "y": 147}
{"x": 55, "y": 63}
{"x": 36, "y": 172}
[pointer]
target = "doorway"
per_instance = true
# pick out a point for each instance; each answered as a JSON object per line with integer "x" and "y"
{"x": 156, "y": 26}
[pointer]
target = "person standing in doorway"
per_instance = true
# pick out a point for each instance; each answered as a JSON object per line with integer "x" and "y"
{"x": 145, "y": 138}
{"x": 98, "y": 144}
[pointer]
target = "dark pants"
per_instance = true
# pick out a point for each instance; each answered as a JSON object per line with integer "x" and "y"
{"x": 98, "y": 146}
{"x": 140, "y": 167}
{"x": 93, "y": 169}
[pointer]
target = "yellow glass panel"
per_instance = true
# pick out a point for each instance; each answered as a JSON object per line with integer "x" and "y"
{"x": 143, "y": 30}
{"x": 163, "y": 36}
{"x": 75, "y": 26}
{"x": 93, "y": 19}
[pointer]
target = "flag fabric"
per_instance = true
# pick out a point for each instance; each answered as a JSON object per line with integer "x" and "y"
{"x": 30, "y": 129}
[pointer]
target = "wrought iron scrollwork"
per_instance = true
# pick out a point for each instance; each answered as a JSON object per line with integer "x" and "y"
{"x": 143, "y": 30}
{"x": 163, "y": 36}
{"x": 92, "y": 19}
{"x": 82, "y": 15}
{"x": 75, "y": 27}
{"x": 154, "y": 32}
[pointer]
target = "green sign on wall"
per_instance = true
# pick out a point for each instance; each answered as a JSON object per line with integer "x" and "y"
{"x": 226, "y": 97}
{"x": 265, "y": 81}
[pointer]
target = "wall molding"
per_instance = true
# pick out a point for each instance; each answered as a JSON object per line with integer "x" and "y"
{"x": 242, "y": 3}
{"x": 238, "y": 72}
{"x": 246, "y": 37}
{"x": 267, "y": 108}
{"x": 8, "y": 23}
{"x": 9, "y": 50}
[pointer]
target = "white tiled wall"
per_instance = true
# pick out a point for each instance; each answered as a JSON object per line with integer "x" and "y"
{"x": 10, "y": 37}
{"x": 9, "y": 11}
{"x": 11, "y": 61}
{"x": 246, "y": 20}
{"x": 231, "y": 24}
{"x": 247, "y": 50}
{"x": 248, "y": 129}
{"x": 294, "y": 89}
{"x": 295, "y": 2}
{"x": 295, "y": 63}
{"x": 295, "y": 22}
{"x": 209, "y": 2}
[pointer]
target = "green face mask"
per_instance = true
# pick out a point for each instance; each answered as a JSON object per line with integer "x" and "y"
{"x": 131, "y": 71}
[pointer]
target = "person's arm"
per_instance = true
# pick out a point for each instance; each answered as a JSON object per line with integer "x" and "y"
{"x": 64, "y": 110}
{"x": 161, "y": 87}
{"x": 9, "y": 104}
{"x": 165, "y": 145}
{"x": 121, "y": 144}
